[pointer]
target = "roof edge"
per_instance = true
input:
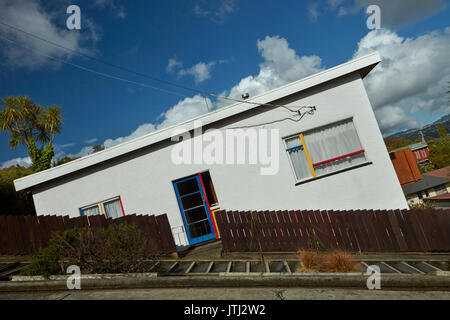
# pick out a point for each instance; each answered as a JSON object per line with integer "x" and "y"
{"x": 363, "y": 65}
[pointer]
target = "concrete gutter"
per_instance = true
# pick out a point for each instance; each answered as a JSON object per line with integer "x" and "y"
{"x": 313, "y": 280}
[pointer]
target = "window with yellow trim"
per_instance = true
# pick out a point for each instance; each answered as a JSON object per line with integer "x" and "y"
{"x": 325, "y": 150}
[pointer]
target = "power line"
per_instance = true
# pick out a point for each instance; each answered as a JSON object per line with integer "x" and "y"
{"x": 202, "y": 92}
{"x": 91, "y": 70}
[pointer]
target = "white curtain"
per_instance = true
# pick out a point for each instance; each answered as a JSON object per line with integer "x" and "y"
{"x": 334, "y": 141}
{"x": 92, "y": 211}
{"x": 298, "y": 159}
{"x": 113, "y": 209}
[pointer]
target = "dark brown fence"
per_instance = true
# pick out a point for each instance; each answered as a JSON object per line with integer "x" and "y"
{"x": 353, "y": 231}
{"x": 26, "y": 234}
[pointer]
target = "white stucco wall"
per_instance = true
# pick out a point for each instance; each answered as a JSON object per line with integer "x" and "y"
{"x": 144, "y": 178}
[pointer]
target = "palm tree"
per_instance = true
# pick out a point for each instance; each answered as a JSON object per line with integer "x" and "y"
{"x": 52, "y": 122}
{"x": 27, "y": 123}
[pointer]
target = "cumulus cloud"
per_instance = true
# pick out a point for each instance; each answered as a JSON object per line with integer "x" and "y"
{"x": 173, "y": 64}
{"x": 394, "y": 14}
{"x": 143, "y": 129}
{"x": 23, "y": 162}
{"x": 412, "y": 76}
{"x": 200, "y": 71}
{"x": 30, "y": 16}
{"x": 281, "y": 65}
{"x": 185, "y": 109}
{"x": 215, "y": 10}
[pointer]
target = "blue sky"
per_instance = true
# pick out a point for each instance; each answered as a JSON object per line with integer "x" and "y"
{"x": 221, "y": 46}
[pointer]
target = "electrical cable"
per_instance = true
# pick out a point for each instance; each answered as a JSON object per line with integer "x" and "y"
{"x": 93, "y": 71}
{"x": 202, "y": 92}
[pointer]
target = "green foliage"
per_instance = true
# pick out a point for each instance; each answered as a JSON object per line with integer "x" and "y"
{"x": 396, "y": 142}
{"x": 27, "y": 123}
{"x": 63, "y": 160}
{"x": 116, "y": 249}
{"x": 44, "y": 263}
{"x": 441, "y": 130}
{"x": 439, "y": 153}
{"x": 15, "y": 203}
{"x": 40, "y": 157}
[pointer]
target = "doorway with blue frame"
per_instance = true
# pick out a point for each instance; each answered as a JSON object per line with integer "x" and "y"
{"x": 197, "y": 201}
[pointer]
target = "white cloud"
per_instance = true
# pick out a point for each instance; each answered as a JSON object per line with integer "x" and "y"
{"x": 30, "y": 16}
{"x": 215, "y": 10}
{"x": 24, "y": 162}
{"x": 91, "y": 141}
{"x": 281, "y": 65}
{"x": 201, "y": 71}
{"x": 143, "y": 129}
{"x": 172, "y": 64}
{"x": 412, "y": 76}
{"x": 185, "y": 109}
{"x": 313, "y": 11}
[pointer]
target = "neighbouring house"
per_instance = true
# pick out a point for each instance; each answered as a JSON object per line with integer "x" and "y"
{"x": 330, "y": 158}
{"x": 441, "y": 201}
{"x": 429, "y": 187}
{"x": 405, "y": 166}
{"x": 420, "y": 151}
{"x": 443, "y": 172}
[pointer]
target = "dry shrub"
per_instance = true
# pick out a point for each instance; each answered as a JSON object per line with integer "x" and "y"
{"x": 310, "y": 261}
{"x": 336, "y": 261}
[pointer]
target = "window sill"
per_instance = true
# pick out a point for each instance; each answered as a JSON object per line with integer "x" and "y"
{"x": 335, "y": 172}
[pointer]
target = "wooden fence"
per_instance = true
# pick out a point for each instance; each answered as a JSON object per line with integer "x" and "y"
{"x": 26, "y": 234}
{"x": 353, "y": 231}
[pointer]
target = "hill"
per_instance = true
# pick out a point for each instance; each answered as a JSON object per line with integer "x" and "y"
{"x": 428, "y": 130}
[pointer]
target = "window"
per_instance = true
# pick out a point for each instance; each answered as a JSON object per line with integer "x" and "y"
{"x": 111, "y": 208}
{"x": 325, "y": 150}
{"x": 441, "y": 189}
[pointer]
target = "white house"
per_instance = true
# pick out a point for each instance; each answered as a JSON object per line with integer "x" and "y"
{"x": 333, "y": 158}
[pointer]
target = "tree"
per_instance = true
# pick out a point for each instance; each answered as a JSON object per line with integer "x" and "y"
{"x": 396, "y": 142}
{"x": 97, "y": 148}
{"x": 15, "y": 203}
{"x": 27, "y": 124}
{"x": 439, "y": 152}
{"x": 441, "y": 130}
{"x": 63, "y": 160}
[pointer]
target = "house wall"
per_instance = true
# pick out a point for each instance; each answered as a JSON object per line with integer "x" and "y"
{"x": 144, "y": 178}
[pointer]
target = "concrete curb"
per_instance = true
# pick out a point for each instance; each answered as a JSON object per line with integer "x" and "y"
{"x": 97, "y": 282}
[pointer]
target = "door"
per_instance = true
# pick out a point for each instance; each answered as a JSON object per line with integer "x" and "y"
{"x": 194, "y": 209}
